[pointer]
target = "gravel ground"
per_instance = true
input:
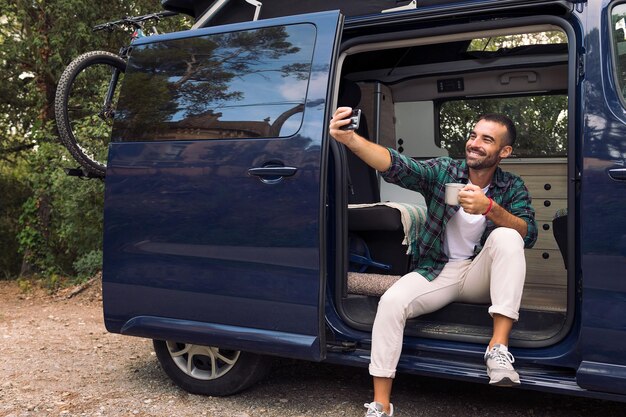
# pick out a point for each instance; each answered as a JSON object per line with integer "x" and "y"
{"x": 58, "y": 360}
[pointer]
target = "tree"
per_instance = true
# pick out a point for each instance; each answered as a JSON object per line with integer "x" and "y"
{"x": 38, "y": 38}
{"x": 61, "y": 219}
{"x": 14, "y": 192}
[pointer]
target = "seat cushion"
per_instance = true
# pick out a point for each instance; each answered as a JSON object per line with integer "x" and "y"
{"x": 379, "y": 218}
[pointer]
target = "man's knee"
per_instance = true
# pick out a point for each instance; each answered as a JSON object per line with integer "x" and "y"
{"x": 505, "y": 236}
{"x": 505, "y": 242}
{"x": 392, "y": 303}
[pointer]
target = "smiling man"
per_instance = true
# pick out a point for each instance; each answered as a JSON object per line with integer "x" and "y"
{"x": 472, "y": 252}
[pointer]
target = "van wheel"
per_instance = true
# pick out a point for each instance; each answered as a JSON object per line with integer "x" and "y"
{"x": 209, "y": 370}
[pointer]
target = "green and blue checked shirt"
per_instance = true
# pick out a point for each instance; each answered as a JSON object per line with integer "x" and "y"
{"x": 429, "y": 178}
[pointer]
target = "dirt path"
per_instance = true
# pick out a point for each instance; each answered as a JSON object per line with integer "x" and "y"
{"x": 57, "y": 359}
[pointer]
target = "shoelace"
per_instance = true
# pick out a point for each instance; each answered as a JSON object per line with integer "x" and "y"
{"x": 501, "y": 358}
{"x": 372, "y": 411}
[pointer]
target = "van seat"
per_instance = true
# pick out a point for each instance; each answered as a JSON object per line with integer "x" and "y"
{"x": 407, "y": 217}
{"x": 390, "y": 231}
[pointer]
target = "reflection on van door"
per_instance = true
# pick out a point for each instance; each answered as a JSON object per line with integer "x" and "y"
{"x": 213, "y": 187}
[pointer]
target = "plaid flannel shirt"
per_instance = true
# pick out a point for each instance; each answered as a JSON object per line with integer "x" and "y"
{"x": 429, "y": 178}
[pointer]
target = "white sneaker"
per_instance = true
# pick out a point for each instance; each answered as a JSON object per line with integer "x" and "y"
{"x": 500, "y": 369}
{"x": 375, "y": 409}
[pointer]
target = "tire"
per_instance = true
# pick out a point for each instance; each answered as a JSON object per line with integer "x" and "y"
{"x": 208, "y": 370}
{"x": 84, "y": 124}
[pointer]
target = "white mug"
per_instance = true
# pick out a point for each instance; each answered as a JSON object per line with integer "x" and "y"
{"x": 452, "y": 193}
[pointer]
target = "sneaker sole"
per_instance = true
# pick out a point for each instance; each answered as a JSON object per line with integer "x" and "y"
{"x": 505, "y": 382}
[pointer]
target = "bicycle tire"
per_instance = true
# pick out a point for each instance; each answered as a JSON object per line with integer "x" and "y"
{"x": 78, "y": 91}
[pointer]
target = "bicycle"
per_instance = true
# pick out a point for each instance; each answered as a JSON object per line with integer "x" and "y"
{"x": 87, "y": 95}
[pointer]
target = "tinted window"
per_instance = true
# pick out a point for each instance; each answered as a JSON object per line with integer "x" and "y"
{"x": 618, "y": 20}
{"x": 541, "y": 123}
{"x": 245, "y": 84}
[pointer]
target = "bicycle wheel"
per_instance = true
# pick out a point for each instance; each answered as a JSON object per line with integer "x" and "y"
{"x": 84, "y": 106}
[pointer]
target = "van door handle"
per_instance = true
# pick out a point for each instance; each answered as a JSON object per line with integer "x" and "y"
{"x": 618, "y": 174}
{"x": 272, "y": 174}
{"x": 531, "y": 76}
{"x": 273, "y": 171}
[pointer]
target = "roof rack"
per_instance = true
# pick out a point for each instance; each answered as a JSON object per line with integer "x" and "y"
{"x": 218, "y": 5}
{"x": 219, "y": 12}
{"x": 412, "y": 5}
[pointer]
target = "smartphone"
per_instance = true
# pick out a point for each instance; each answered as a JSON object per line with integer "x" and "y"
{"x": 355, "y": 120}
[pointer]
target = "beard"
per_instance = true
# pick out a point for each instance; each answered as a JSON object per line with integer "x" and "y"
{"x": 480, "y": 161}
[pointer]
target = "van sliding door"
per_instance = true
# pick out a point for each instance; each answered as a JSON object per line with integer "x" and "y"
{"x": 603, "y": 188}
{"x": 213, "y": 188}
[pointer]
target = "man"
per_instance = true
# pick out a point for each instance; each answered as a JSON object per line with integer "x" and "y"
{"x": 472, "y": 252}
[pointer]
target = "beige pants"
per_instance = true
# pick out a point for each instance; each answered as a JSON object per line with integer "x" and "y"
{"x": 496, "y": 275}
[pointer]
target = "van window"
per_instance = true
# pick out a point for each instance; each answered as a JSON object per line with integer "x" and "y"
{"x": 618, "y": 19}
{"x": 245, "y": 84}
{"x": 541, "y": 123}
{"x": 497, "y": 43}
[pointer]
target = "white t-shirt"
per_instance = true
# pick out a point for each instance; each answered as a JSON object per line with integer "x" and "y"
{"x": 463, "y": 233}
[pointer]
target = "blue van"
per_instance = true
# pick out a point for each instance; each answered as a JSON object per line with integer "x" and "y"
{"x": 236, "y": 229}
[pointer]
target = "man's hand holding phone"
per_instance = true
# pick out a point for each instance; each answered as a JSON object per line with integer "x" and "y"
{"x": 345, "y": 120}
{"x": 355, "y": 120}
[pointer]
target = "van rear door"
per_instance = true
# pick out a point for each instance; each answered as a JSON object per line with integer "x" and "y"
{"x": 214, "y": 196}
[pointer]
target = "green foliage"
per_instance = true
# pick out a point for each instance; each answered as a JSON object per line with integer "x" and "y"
{"x": 62, "y": 219}
{"x": 25, "y": 285}
{"x": 512, "y": 41}
{"x": 14, "y": 192}
{"x": 88, "y": 264}
{"x": 55, "y": 220}
{"x": 37, "y": 40}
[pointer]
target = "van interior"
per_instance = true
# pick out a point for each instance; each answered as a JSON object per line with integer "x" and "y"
{"x": 420, "y": 93}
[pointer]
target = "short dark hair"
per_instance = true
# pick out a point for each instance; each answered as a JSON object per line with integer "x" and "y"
{"x": 504, "y": 121}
